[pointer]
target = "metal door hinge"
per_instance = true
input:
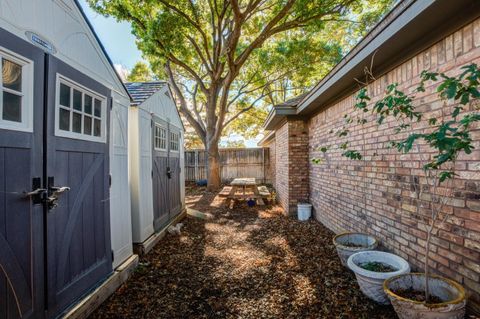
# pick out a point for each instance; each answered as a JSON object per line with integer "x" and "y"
{"x": 109, "y": 180}
{"x": 113, "y": 255}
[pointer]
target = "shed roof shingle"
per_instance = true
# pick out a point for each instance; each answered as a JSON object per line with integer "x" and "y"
{"x": 140, "y": 91}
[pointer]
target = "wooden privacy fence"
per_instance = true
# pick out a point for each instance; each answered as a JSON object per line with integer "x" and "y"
{"x": 234, "y": 163}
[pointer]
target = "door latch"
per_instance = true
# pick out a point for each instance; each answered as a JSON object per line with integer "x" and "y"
{"x": 53, "y": 193}
{"x": 38, "y": 193}
{"x": 169, "y": 173}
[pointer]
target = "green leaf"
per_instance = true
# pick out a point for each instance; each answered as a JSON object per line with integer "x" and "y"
{"x": 465, "y": 98}
{"x": 443, "y": 176}
{"x": 352, "y": 154}
{"x": 456, "y": 111}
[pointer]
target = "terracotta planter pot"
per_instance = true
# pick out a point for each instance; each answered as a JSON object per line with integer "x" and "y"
{"x": 349, "y": 243}
{"x": 453, "y": 294}
{"x": 371, "y": 282}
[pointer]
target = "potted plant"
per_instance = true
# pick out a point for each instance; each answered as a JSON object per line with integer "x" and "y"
{"x": 371, "y": 268}
{"x": 407, "y": 293}
{"x": 423, "y": 295}
{"x": 349, "y": 243}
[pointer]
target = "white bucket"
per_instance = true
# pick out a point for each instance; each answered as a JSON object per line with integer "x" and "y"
{"x": 304, "y": 211}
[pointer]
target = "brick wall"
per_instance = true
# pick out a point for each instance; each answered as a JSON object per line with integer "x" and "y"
{"x": 298, "y": 163}
{"x": 291, "y": 165}
{"x": 281, "y": 165}
{"x": 377, "y": 195}
{"x": 270, "y": 173}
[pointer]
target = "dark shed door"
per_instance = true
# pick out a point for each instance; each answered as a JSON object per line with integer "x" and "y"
{"x": 159, "y": 173}
{"x": 166, "y": 173}
{"x": 175, "y": 203}
{"x": 21, "y": 222}
{"x": 78, "y": 229}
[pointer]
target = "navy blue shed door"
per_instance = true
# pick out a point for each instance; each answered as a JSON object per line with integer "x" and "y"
{"x": 54, "y": 136}
{"x": 166, "y": 173}
{"x": 21, "y": 222}
{"x": 78, "y": 228}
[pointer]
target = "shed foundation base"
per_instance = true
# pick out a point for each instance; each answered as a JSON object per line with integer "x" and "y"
{"x": 143, "y": 248}
{"x": 93, "y": 300}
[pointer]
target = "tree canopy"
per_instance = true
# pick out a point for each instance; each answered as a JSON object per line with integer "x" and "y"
{"x": 227, "y": 58}
{"x": 140, "y": 73}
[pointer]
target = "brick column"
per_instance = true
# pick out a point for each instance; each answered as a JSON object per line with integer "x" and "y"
{"x": 292, "y": 164}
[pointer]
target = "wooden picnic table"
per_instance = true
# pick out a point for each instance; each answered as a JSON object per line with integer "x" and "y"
{"x": 240, "y": 187}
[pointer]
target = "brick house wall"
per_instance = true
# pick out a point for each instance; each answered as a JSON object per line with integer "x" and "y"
{"x": 291, "y": 164}
{"x": 377, "y": 195}
{"x": 281, "y": 165}
{"x": 270, "y": 173}
{"x": 298, "y": 164}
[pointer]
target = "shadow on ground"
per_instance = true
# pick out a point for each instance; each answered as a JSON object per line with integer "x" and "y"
{"x": 244, "y": 263}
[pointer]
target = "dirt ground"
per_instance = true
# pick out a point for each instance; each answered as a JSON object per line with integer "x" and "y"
{"x": 243, "y": 263}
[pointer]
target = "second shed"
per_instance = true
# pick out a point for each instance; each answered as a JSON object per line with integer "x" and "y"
{"x": 156, "y": 159}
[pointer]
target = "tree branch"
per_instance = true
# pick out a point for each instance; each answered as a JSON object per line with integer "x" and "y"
{"x": 200, "y": 54}
{"x": 271, "y": 28}
{"x": 172, "y": 58}
{"x": 183, "y": 105}
{"x": 194, "y": 23}
{"x": 264, "y": 34}
{"x": 233, "y": 118}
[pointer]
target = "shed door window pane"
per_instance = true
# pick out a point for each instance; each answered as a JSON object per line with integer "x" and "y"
{"x": 77, "y": 100}
{"x": 174, "y": 141}
{"x": 11, "y": 75}
{"x": 87, "y": 125}
{"x": 64, "y": 95}
{"x": 77, "y": 123}
{"x": 98, "y": 108}
{"x": 88, "y": 104}
{"x": 12, "y": 93}
{"x": 78, "y": 106}
{"x": 64, "y": 120}
{"x": 160, "y": 138}
{"x": 97, "y": 127}
{"x": 12, "y": 107}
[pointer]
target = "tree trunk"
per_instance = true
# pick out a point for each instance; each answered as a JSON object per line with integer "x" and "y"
{"x": 214, "y": 180}
{"x": 427, "y": 261}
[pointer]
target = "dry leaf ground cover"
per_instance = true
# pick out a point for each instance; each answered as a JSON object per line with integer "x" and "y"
{"x": 243, "y": 263}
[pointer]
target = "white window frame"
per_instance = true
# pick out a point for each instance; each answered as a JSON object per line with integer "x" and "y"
{"x": 26, "y": 124}
{"x": 177, "y": 141}
{"x": 103, "y": 115}
{"x": 155, "y": 137}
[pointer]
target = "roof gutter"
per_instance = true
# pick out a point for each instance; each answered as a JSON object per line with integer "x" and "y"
{"x": 267, "y": 138}
{"x": 411, "y": 27}
{"x": 277, "y": 114}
